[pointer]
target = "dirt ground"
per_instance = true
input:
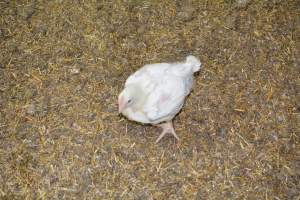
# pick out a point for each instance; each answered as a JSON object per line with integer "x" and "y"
{"x": 63, "y": 63}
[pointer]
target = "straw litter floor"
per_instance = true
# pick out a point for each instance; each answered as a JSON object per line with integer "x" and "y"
{"x": 63, "y": 63}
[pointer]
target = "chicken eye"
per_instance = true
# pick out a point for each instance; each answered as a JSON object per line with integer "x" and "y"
{"x": 129, "y": 101}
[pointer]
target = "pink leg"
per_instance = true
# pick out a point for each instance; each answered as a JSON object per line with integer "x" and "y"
{"x": 167, "y": 128}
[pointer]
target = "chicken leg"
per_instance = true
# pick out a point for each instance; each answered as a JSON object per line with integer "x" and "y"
{"x": 167, "y": 128}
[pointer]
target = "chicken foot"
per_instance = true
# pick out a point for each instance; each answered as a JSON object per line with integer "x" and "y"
{"x": 167, "y": 128}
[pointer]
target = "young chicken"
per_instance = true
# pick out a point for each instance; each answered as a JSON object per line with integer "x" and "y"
{"x": 155, "y": 93}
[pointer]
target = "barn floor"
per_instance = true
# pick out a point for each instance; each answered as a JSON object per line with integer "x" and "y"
{"x": 63, "y": 63}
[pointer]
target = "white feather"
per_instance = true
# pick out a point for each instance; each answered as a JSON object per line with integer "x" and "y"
{"x": 164, "y": 87}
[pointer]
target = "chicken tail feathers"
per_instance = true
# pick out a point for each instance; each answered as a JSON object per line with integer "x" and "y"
{"x": 193, "y": 62}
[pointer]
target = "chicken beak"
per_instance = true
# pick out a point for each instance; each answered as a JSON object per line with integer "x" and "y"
{"x": 121, "y": 104}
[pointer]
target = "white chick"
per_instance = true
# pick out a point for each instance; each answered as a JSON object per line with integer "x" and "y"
{"x": 155, "y": 93}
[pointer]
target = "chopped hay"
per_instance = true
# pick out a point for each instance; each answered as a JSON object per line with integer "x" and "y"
{"x": 62, "y": 65}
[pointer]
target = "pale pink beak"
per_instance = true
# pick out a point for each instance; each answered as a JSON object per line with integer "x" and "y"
{"x": 121, "y": 104}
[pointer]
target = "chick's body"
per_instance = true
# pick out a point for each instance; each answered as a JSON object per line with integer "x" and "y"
{"x": 156, "y": 92}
